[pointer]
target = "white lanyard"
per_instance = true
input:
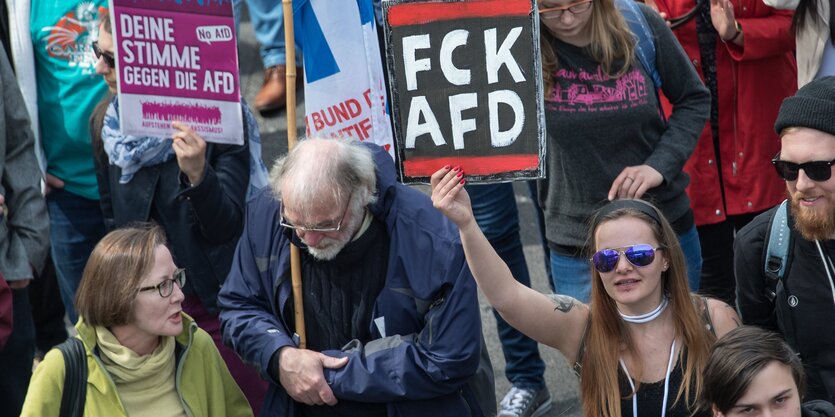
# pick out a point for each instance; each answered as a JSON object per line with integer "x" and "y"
{"x": 666, "y": 383}
{"x": 827, "y": 267}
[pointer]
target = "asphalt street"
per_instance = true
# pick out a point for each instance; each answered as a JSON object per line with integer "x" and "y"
{"x": 561, "y": 381}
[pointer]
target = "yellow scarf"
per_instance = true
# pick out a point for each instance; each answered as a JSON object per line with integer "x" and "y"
{"x": 145, "y": 384}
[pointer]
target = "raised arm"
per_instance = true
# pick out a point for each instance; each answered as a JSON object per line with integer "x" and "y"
{"x": 557, "y": 321}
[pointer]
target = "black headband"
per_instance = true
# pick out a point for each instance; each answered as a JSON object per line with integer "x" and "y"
{"x": 634, "y": 204}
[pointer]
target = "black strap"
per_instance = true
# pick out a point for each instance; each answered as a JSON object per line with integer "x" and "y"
{"x": 706, "y": 315}
{"x": 75, "y": 378}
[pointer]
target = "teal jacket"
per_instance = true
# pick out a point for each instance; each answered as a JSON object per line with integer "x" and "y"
{"x": 203, "y": 382}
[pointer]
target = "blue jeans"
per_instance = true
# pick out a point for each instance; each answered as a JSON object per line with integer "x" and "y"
{"x": 76, "y": 224}
{"x": 572, "y": 274}
{"x": 16, "y": 358}
{"x": 268, "y": 23}
{"x": 494, "y": 206}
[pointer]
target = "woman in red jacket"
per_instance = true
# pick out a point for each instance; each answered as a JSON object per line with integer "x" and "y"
{"x": 743, "y": 50}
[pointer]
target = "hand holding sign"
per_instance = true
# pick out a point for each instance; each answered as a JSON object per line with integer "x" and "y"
{"x": 450, "y": 197}
{"x": 191, "y": 152}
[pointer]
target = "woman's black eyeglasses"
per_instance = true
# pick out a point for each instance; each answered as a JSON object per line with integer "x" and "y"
{"x": 817, "y": 171}
{"x": 639, "y": 255}
{"x": 166, "y": 287}
{"x": 576, "y": 8}
{"x": 109, "y": 59}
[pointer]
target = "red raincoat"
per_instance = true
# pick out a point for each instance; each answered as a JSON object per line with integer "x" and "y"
{"x": 752, "y": 82}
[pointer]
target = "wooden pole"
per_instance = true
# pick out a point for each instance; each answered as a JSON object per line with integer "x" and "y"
{"x": 295, "y": 261}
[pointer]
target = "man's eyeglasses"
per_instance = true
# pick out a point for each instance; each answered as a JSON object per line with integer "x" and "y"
{"x": 818, "y": 171}
{"x": 166, "y": 287}
{"x": 639, "y": 255}
{"x": 558, "y": 11}
{"x": 317, "y": 228}
{"x": 109, "y": 59}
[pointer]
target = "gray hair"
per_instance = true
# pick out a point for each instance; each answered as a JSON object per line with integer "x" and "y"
{"x": 317, "y": 168}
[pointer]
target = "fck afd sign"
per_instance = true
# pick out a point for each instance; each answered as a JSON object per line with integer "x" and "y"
{"x": 466, "y": 84}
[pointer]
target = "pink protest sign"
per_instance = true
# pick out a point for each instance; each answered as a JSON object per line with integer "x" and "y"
{"x": 177, "y": 60}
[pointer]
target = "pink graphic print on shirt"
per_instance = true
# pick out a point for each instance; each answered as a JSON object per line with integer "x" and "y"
{"x": 592, "y": 92}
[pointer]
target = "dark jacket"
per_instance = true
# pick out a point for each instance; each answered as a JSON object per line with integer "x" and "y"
{"x": 804, "y": 301}
{"x": 818, "y": 408}
{"x": 202, "y": 223}
{"x": 430, "y": 363}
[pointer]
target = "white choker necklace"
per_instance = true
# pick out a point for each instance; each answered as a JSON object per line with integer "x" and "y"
{"x": 648, "y": 317}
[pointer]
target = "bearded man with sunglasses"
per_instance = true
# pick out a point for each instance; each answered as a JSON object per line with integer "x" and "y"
{"x": 803, "y": 309}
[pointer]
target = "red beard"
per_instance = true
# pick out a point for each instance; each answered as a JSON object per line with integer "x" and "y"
{"x": 813, "y": 223}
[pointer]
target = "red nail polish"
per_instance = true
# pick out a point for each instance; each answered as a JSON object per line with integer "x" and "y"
{"x": 463, "y": 181}
{"x": 446, "y": 166}
{"x": 460, "y": 174}
{"x": 457, "y": 168}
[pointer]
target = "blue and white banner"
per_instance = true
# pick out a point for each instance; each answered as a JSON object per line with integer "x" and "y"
{"x": 344, "y": 89}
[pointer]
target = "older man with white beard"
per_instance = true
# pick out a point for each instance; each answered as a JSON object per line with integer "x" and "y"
{"x": 391, "y": 312}
{"x": 801, "y": 304}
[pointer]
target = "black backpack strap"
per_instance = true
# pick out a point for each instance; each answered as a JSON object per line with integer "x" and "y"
{"x": 75, "y": 378}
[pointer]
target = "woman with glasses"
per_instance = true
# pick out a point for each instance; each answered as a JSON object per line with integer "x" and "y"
{"x": 195, "y": 190}
{"x": 145, "y": 357}
{"x": 607, "y": 137}
{"x": 640, "y": 345}
{"x": 744, "y": 52}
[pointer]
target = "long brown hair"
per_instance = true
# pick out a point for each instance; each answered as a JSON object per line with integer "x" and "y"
{"x": 611, "y": 40}
{"x": 808, "y": 13}
{"x": 608, "y": 335}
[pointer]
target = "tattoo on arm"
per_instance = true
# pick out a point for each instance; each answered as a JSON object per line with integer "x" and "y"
{"x": 562, "y": 303}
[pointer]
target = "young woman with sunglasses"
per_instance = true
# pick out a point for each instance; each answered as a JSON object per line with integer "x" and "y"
{"x": 607, "y": 137}
{"x": 743, "y": 50}
{"x": 144, "y": 356}
{"x": 642, "y": 332}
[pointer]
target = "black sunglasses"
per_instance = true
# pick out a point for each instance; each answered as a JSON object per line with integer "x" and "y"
{"x": 816, "y": 170}
{"x": 108, "y": 58}
{"x": 639, "y": 255}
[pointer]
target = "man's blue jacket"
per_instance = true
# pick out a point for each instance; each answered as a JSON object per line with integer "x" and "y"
{"x": 427, "y": 357}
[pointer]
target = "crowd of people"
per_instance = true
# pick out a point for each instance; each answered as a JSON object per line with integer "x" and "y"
{"x": 688, "y": 233}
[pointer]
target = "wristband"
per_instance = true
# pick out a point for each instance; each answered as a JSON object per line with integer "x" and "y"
{"x": 738, "y": 28}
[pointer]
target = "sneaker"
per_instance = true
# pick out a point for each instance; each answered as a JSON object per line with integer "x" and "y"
{"x": 521, "y": 402}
